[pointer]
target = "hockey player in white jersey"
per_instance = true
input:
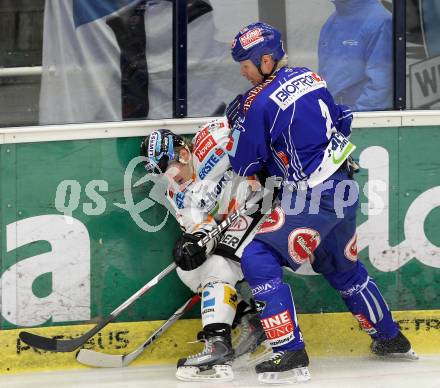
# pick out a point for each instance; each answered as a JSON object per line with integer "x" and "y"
{"x": 203, "y": 190}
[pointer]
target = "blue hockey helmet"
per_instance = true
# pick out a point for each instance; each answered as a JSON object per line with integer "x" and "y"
{"x": 159, "y": 147}
{"x": 256, "y": 40}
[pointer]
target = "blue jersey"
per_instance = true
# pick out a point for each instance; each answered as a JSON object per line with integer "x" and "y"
{"x": 291, "y": 126}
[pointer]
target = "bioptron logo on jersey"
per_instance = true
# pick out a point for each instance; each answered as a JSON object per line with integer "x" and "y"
{"x": 288, "y": 92}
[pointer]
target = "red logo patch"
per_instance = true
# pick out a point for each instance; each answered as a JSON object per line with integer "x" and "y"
{"x": 351, "y": 251}
{"x": 317, "y": 77}
{"x": 239, "y": 225}
{"x": 201, "y": 136}
{"x": 302, "y": 242}
{"x": 365, "y": 324}
{"x": 206, "y": 145}
{"x": 273, "y": 222}
{"x": 251, "y": 38}
{"x": 219, "y": 152}
{"x": 278, "y": 326}
{"x": 283, "y": 158}
{"x": 230, "y": 144}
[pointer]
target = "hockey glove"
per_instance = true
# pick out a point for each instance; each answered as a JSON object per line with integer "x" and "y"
{"x": 233, "y": 110}
{"x": 187, "y": 254}
{"x": 352, "y": 167}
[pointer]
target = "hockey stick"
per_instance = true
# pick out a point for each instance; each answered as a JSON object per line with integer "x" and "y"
{"x": 69, "y": 345}
{"x": 103, "y": 360}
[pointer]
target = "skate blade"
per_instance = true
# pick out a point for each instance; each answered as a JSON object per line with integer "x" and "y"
{"x": 217, "y": 373}
{"x": 297, "y": 375}
{"x": 410, "y": 355}
{"x": 248, "y": 360}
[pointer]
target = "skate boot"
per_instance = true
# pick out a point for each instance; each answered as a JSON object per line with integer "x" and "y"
{"x": 214, "y": 361}
{"x": 250, "y": 344}
{"x": 284, "y": 367}
{"x": 397, "y": 347}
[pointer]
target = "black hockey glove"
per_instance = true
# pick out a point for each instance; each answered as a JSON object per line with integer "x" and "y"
{"x": 352, "y": 167}
{"x": 233, "y": 110}
{"x": 187, "y": 254}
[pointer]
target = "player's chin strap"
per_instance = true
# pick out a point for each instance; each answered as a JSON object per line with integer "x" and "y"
{"x": 266, "y": 76}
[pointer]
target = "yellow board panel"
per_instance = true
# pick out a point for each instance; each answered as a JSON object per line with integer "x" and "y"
{"x": 332, "y": 334}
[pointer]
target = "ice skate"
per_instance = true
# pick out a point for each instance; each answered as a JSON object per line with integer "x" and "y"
{"x": 212, "y": 363}
{"x": 250, "y": 344}
{"x": 284, "y": 367}
{"x": 396, "y": 348}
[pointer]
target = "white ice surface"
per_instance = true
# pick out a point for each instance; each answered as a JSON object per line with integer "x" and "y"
{"x": 335, "y": 373}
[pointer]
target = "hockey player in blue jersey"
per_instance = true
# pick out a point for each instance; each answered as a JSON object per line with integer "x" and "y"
{"x": 288, "y": 126}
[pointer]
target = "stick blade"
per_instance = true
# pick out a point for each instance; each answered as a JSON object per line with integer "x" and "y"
{"x": 100, "y": 360}
{"x": 37, "y": 341}
{"x": 51, "y": 344}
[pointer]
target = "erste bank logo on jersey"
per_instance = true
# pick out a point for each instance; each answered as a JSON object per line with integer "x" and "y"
{"x": 211, "y": 162}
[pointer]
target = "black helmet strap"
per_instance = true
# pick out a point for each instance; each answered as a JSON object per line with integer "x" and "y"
{"x": 266, "y": 76}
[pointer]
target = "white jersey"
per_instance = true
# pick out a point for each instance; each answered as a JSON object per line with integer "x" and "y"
{"x": 213, "y": 193}
{"x": 215, "y": 190}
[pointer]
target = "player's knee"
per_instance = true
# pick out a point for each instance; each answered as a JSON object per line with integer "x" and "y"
{"x": 270, "y": 289}
{"x": 247, "y": 261}
{"x": 349, "y": 282}
{"x": 259, "y": 263}
{"x": 218, "y": 268}
{"x": 219, "y": 303}
{"x": 189, "y": 278}
{"x": 215, "y": 269}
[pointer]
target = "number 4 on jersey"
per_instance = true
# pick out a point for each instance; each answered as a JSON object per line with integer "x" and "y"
{"x": 328, "y": 119}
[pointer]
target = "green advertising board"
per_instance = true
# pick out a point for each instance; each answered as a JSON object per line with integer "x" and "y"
{"x": 81, "y": 230}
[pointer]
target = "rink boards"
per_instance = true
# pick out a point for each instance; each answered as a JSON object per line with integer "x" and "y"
{"x": 327, "y": 335}
{"x": 78, "y": 237}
